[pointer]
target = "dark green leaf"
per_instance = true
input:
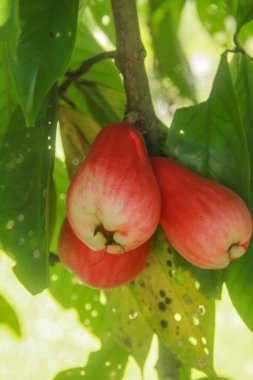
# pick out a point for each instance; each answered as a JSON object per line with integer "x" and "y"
{"x": 107, "y": 364}
{"x": 7, "y": 97}
{"x": 8, "y": 20}
{"x": 170, "y": 58}
{"x": 8, "y": 316}
{"x": 127, "y": 324}
{"x": 61, "y": 182}
{"x": 239, "y": 275}
{"x": 171, "y": 301}
{"x": 215, "y": 139}
{"x": 210, "y": 137}
{"x": 42, "y": 51}
{"x": 26, "y": 163}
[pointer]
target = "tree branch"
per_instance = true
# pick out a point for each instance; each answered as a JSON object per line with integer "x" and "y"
{"x": 84, "y": 68}
{"x": 130, "y": 61}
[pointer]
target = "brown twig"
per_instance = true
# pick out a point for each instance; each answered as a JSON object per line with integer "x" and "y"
{"x": 130, "y": 61}
{"x": 72, "y": 76}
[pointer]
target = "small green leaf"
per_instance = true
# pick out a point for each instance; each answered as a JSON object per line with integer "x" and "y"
{"x": 8, "y": 20}
{"x": 170, "y": 299}
{"x": 42, "y": 51}
{"x": 127, "y": 324}
{"x": 170, "y": 58}
{"x": 244, "y": 13}
{"x": 8, "y": 316}
{"x": 26, "y": 163}
{"x": 107, "y": 364}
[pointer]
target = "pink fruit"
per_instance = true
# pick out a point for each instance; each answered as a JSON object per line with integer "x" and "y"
{"x": 114, "y": 201}
{"x": 100, "y": 269}
{"x": 207, "y": 223}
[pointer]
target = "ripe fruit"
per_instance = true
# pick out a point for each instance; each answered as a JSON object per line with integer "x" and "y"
{"x": 114, "y": 201}
{"x": 207, "y": 223}
{"x": 100, "y": 269}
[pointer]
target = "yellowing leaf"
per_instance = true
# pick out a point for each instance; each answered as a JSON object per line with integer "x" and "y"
{"x": 172, "y": 303}
{"x": 78, "y": 133}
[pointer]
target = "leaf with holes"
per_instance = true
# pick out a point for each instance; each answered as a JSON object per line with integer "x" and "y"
{"x": 8, "y": 316}
{"x": 127, "y": 324}
{"x": 26, "y": 163}
{"x": 170, "y": 300}
{"x": 107, "y": 364}
{"x": 42, "y": 51}
{"x": 76, "y": 295}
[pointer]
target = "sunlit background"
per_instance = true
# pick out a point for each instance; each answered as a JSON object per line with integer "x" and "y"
{"x": 53, "y": 339}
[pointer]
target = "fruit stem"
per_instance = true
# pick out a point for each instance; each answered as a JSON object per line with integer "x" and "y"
{"x": 130, "y": 55}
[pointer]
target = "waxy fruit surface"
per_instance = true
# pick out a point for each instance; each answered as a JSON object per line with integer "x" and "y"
{"x": 206, "y": 222}
{"x": 114, "y": 200}
{"x": 100, "y": 269}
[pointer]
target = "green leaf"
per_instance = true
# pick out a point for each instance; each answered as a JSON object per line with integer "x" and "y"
{"x": 171, "y": 301}
{"x": 244, "y": 13}
{"x": 77, "y": 133}
{"x": 210, "y": 138}
{"x": 102, "y": 104}
{"x": 238, "y": 276}
{"x": 103, "y": 16}
{"x": 8, "y": 316}
{"x": 8, "y": 20}
{"x": 26, "y": 163}
{"x": 169, "y": 56}
{"x": 214, "y": 16}
{"x": 215, "y": 139}
{"x": 42, "y": 51}
{"x": 70, "y": 292}
{"x": 61, "y": 183}
{"x": 127, "y": 324}
{"x": 107, "y": 364}
{"x": 168, "y": 367}
{"x": 7, "y": 97}
{"x": 104, "y": 72}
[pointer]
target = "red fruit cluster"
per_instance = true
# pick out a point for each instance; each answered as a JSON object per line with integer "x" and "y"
{"x": 113, "y": 208}
{"x": 117, "y": 198}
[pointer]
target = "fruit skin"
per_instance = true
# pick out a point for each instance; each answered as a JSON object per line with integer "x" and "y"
{"x": 206, "y": 222}
{"x": 100, "y": 269}
{"x": 114, "y": 200}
